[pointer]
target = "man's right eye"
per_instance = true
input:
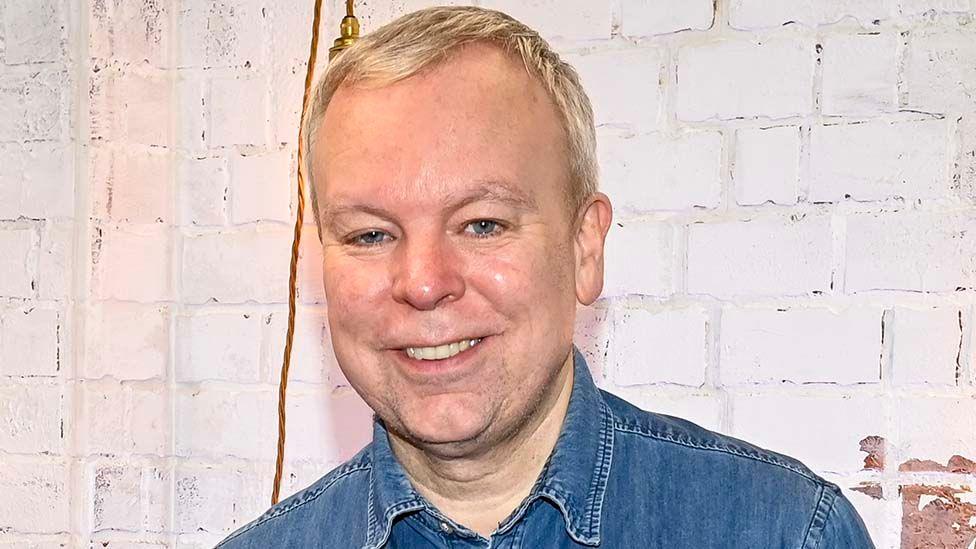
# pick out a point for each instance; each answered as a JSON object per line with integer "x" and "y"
{"x": 369, "y": 238}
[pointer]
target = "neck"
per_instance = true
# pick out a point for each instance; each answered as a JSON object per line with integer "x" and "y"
{"x": 481, "y": 488}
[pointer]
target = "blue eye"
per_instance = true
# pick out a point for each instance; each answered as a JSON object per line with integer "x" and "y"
{"x": 484, "y": 227}
{"x": 370, "y": 238}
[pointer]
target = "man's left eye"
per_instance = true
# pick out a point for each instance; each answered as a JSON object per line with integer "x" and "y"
{"x": 484, "y": 227}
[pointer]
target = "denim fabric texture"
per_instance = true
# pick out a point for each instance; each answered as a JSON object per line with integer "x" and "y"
{"x": 619, "y": 477}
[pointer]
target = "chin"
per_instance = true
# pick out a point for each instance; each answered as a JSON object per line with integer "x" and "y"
{"x": 446, "y": 419}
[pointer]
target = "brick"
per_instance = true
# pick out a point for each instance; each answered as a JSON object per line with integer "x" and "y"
{"x": 16, "y": 258}
{"x": 964, "y": 174}
{"x": 215, "y": 423}
{"x": 756, "y": 14}
{"x": 934, "y": 428}
{"x": 30, "y": 418}
{"x": 939, "y": 73}
{"x": 767, "y": 165}
{"x": 879, "y": 160}
{"x": 287, "y": 20}
{"x": 822, "y": 431}
{"x": 922, "y": 7}
{"x": 221, "y": 34}
{"x": 102, "y": 422}
{"x": 30, "y": 342}
{"x": 592, "y": 337}
{"x": 192, "y": 94}
{"x": 286, "y": 102}
{"x": 35, "y": 494}
{"x": 130, "y": 103}
{"x": 149, "y": 426}
{"x": 55, "y": 261}
{"x": 623, "y": 85}
{"x": 873, "y": 511}
{"x": 334, "y": 426}
{"x": 925, "y": 345}
{"x": 34, "y": 32}
{"x": 116, "y": 497}
{"x": 577, "y": 20}
{"x": 128, "y": 341}
{"x": 312, "y": 359}
{"x": 375, "y": 14}
{"x": 658, "y": 347}
{"x": 699, "y": 408}
{"x": 218, "y": 500}
{"x": 211, "y": 266}
{"x": 130, "y": 31}
{"x": 35, "y": 181}
{"x": 743, "y": 79}
{"x": 649, "y": 271}
{"x": 662, "y": 172}
{"x": 238, "y": 112}
{"x": 134, "y": 264}
{"x": 31, "y": 104}
{"x": 800, "y": 346}
{"x": 131, "y": 184}
{"x": 639, "y": 18}
{"x": 860, "y": 74}
{"x": 311, "y": 286}
{"x": 219, "y": 345}
{"x": 928, "y": 252}
{"x": 203, "y": 190}
{"x": 261, "y": 187}
{"x": 759, "y": 257}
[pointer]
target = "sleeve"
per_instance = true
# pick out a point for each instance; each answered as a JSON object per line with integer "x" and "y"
{"x": 844, "y": 528}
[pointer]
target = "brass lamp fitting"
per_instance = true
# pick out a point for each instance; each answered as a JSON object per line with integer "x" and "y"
{"x": 348, "y": 32}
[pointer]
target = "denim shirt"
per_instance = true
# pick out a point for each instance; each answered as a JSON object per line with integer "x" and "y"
{"x": 618, "y": 477}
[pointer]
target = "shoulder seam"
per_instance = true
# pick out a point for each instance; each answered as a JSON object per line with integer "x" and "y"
{"x": 306, "y": 498}
{"x": 639, "y": 430}
{"x": 821, "y": 514}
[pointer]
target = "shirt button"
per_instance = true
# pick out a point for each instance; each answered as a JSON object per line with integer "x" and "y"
{"x": 446, "y": 528}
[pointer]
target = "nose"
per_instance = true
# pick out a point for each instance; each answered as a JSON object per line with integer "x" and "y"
{"x": 426, "y": 273}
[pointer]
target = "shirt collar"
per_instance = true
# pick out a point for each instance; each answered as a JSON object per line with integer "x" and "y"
{"x": 574, "y": 478}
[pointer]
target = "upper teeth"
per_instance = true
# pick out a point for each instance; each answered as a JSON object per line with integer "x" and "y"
{"x": 441, "y": 351}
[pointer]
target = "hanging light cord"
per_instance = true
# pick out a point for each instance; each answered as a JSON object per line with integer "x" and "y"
{"x": 293, "y": 273}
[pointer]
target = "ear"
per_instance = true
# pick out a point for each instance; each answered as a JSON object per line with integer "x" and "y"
{"x": 592, "y": 225}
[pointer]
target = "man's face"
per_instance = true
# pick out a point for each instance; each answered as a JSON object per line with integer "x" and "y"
{"x": 443, "y": 201}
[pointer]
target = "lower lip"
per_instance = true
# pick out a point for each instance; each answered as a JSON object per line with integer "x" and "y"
{"x": 455, "y": 365}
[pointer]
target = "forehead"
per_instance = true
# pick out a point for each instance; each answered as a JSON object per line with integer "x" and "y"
{"x": 478, "y": 116}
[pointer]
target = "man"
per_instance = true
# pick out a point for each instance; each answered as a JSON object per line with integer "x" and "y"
{"x": 452, "y": 157}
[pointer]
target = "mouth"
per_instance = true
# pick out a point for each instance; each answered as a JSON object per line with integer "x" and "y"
{"x": 443, "y": 351}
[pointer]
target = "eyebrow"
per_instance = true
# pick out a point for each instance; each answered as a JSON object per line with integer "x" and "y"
{"x": 491, "y": 191}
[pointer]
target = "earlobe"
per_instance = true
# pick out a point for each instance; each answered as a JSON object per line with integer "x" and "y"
{"x": 595, "y": 218}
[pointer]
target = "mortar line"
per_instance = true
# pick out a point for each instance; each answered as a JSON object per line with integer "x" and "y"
{"x": 80, "y": 124}
{"x": 176, "y": 267}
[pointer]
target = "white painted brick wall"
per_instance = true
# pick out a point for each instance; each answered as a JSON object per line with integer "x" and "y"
{"x": 793, "y": 259}
{"x": 925, "y": 345}
{"x": 800, "y": 346}
{"x": 860, "y": 73}
{"x": 767, "y": 165}
{"x": 875, "y": 161}
{"x": 745, "y": 78}
{"x": 759, "y": 257}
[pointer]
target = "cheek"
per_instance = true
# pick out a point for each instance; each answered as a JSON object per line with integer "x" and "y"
{"x": 530, "y": 278}
{"x": 352, "y": 288}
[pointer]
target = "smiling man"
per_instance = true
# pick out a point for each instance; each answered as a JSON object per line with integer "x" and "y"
{"x": 453, "y": 164}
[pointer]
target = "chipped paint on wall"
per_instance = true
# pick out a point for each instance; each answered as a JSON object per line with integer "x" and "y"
{"x": 938, "y": 517}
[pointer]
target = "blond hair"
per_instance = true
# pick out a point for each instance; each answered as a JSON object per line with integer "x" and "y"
{"x": 407, "y": 45}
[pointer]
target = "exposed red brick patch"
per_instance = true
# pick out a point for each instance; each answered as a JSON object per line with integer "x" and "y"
{"x": 875, "y": 448}
{"x": 937, "y": 517}
{"x": 872, "y": 489}
{"x": 956, "y": 464}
